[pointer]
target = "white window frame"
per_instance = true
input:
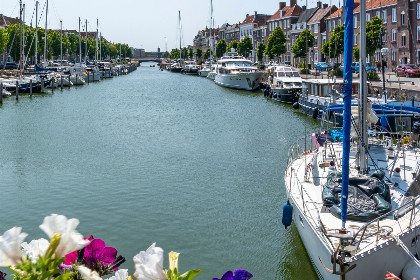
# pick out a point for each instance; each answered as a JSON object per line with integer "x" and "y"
{"x": 384, "y": 15}
{"x": 403, "y": 41}
{"x": 355, "y": 21}
{"x": 418, "y": 32}
{"x": 394, "y": 34}
{"x": 378, "y": 14}
{"x": 402, "y": 18}
{"x": 355, "y": 39}
{"x": 316, "y": 28}
{"x": 418, "y": 10}
{"x": 394, "y": 15}
{"x": 394, "y": 55}
{"x": 367, "y": 16}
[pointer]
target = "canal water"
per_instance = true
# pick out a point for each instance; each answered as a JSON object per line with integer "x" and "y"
{"x": 157, "y": 157}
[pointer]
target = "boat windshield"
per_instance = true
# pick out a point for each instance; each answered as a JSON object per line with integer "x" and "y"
{"x": 239, "y": 64}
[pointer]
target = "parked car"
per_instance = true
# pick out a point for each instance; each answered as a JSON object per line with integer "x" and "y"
{"x": 408, "y": 70}
{"x": 368, "y": 67}
{"x": 322, "y": 66}
{"x": 352, "y": 67}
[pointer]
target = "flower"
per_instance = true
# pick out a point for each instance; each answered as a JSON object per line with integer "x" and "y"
{"x": 71, "y": 240}
{"x": 121, "y": 274}
{"x": 2, "y": 276}
{"x": 35, "y": 249}
{"x": 391, "y": 276}
{"x": 173, "y": 260}
{"x": 88, "y": 274}
{"x": 97, "y": 252}
{"x": 149, "y": 264}
{"x": 10, "y": 246}
{"x": 71, "y": 258}
{"x": 239, "y": 274}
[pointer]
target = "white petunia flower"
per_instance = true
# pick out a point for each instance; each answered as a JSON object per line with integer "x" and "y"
{"x": 10, "y": 246}
{"x": 149, "y": 264}
{"x": 34, "y": 249}
{"x": 71, "y": 240}
{"x": 121, "y": 274}
{"x": 88, "y": 274}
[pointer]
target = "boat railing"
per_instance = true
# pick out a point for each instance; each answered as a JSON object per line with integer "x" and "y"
{"x": 406, "y": 216}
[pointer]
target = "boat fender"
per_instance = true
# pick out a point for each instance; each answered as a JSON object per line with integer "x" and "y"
{"x": 315, "y": 113}
{"x": 287, "y": 214}
{"x": 275, "y": 95}
{"x": 410, "y": 271}
{"x": 296, "y": 105}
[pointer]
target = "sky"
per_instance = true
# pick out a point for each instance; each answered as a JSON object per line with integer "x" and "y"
{"x": 146, "y": 24}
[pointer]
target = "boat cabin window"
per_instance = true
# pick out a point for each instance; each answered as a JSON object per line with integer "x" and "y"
{"x": 239, "y": 64}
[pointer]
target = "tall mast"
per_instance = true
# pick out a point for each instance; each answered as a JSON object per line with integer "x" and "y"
{"x": 20, "y": 38}
{"x": 347, "y": 92}
{"x": 180, "y": 39}
{"x": 211, "y": 23}
{"x": 363, "y": 141}
{"x": 45, "y": 38}
{"x": 86, "y": 44}
{"x": 100, "y": 46}
{"x": 97, "y": 44}
{"x": 36, "y": 33}
{"x": 80, "y": 45}
{"x": 23, "y": 33}
{"x": 61, "y": 43}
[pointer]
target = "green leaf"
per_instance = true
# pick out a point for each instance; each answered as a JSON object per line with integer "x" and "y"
{"x": 189, "y": 274}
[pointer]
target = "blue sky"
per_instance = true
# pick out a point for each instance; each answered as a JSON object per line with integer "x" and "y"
{"x": 145, "y": 23}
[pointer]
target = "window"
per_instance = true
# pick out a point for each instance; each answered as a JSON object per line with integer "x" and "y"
{"x": 418, "y": 56}
{"x": 339, "y": 21}
{"x": 384, "y": 15}
{"x": 418, "y": 32}
{"x": 367, "y": 17}
{"x": 418, "y": 10}
{"x": 393, "y": 35}
{"x": 329, "y": 26}
{"x": 378, "y": 14}
{"x": 403, "y": 18}
{"x": 403, "y": 40}
{"x": 355, "y": 39}
{"x": 316, "y": 57}
{"x": 316, "y": 41}
{"x": 394, "y": 55}
{"x": 333, "y": 25}
{"x": 316, "y": 28}
{"x": 394, "y": 15}
{"x": 288, "y": 23}
{"x": 355, "y": 21}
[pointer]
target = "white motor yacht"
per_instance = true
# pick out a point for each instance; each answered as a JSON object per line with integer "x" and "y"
{"x": 237, "y": 72}
{"x": 285, "y": 83}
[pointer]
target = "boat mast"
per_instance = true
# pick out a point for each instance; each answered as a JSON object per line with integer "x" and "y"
{"x": 363, "y": 141}
{"x": 86, "y": 45}
{"x": 45, "y": 38}
{"x": 180, "y": 39}
{"x": 61, "y": 43}
{"x": 100, "y": 47}
{"x": 20, "y": 38}
{"x": 80, "y": 45}
{"x": 347, "y": 92}
{"x": 36, "y": 32}
{"x": 211, "y": 23}
{"x": 23, "y": 34}
{"x": 97, "y": 44}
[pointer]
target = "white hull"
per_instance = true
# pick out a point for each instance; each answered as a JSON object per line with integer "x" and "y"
{"x": 211, "y": 76}
{"x": 203, "y": 73}
{"x": 244, "y": 81}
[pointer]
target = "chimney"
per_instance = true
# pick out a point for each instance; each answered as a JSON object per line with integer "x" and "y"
{"x": 319, "y": 4}
{"x": 303, "y": 8}
{"x": 325, "y": 6}
{"x": 292, "y": 3}
{"x": 282, "y": 5}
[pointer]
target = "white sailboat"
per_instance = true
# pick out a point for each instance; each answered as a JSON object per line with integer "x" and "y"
{"x": 356, "y": 204}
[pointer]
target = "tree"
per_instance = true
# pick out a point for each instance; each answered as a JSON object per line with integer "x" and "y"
{"x": 260, "y": 52}
{"x": 113, "y": 51}
{"x": 221, "y": 48}
{"x": 73, "y": 47}
{"x": 207, "y": 54}
{"x": 302, "y": 44}
{"x": 165, "y": 54}
{"x": 174, "y": 54}
{"x": 184, "y": 53}
{"x": 54, "y": 43}
{"x": 190, "y": 53}
{"x": 276, "y": 44}
{"x": 198, "y": 53}
{"x": 335, "y": 44}
{"x": 374, "y": 28}
{"x": 234, "y": 45}
{"x": 245, "y": 46}
{"x": 356, "y": 54}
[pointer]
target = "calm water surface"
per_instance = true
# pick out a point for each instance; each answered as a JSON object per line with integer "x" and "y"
{"x": 157, "y": 157}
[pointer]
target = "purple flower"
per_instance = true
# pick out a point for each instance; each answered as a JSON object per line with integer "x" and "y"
{"x": 2, "y": 276}
{"x": 239, "y": 274}
{"x": 97, "y": 252}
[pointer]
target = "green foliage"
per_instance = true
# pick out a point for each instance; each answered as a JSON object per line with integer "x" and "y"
{"x": 233, "y": 45}
{"x": 276, "y": 44}
{"x": 184, "y": 53}
{"x": 356, "y": 54}
{"x": 304, "y": 42}
{"x": 198, "y": 53}
{"x": 73, "y": 44}
{"x": 44, "y": 268}
{"x": 190, "y": 53}
{"x": 174, "y": 54}
{"x": 305, "y": 71}
{"x": 221, "y": 48}
{"x": 260, "y": 51}
{"x": 336, "y": 72}
{"x": 373, "y": 32}
{"x": 207, "y": 54}
{"x": 165, "y": 54}
{"x": 173, "y": 274}
{"x": 301, "y": 65}
{"x": 372, "y": 75}
{"x": 335, "y": 44}
{"x": 113, "y": 51}
{"x": 245, "y": 46}
{"x": 3, "y": 40}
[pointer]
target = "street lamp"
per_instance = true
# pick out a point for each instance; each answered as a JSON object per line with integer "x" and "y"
{"x": 384, "y": 53}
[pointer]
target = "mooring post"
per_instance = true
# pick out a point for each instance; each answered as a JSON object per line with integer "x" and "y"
{"x": 61, "y": 76}
{"x": 30, "y": 87}
{"x": 1, "y": 93}
{"x": 42, "y": 84}
{"x": 52, "y": 87}
{"x": 17, "y": 90}
{"x": 77, "y": 77}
